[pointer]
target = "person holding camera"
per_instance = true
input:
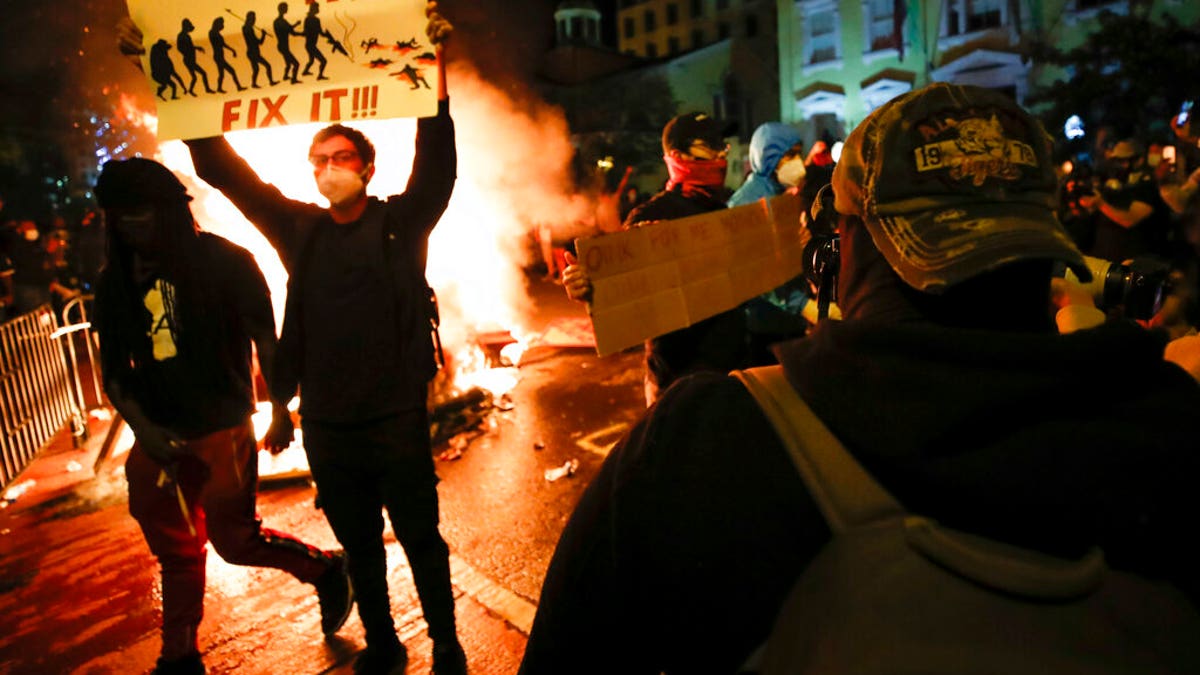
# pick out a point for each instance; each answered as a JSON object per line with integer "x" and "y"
{"x": 1176, "y": 189}
{"x": 946, "y": 380}
{"x": 1130, "y": 214}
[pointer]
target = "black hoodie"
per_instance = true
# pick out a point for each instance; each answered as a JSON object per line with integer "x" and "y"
{"x": 683, "y": 548}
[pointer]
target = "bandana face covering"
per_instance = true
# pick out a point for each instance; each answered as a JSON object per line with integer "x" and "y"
{"x": 697, "y": 176}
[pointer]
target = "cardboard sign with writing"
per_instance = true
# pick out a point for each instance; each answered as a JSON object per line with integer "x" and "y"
{"x": 671, "y": 274}
{"x": 217, "y": 66}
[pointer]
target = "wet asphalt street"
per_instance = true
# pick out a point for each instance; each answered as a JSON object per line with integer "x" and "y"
{"x": 78, "y": 585}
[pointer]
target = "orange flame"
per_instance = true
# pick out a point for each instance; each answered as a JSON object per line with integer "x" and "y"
{"x": 513, "y": 174}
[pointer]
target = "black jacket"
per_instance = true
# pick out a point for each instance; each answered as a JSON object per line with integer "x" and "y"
{"x": 684, "y": 546}
{"x": 408, "y": 219}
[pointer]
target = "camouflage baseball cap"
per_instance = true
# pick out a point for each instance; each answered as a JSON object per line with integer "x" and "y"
{"x": 953, "y": 181}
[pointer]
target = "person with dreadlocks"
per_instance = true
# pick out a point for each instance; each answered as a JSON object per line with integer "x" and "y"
{"x": 694, "y": 150}
{"x": 177, "y": 311}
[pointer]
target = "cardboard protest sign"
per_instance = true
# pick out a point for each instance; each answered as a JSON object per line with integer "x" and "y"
{"x": 671, "y": 274}
{"x": 218, "y": 66}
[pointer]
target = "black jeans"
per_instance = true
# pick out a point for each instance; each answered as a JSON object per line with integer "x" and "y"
{"x": 362, "y": 468}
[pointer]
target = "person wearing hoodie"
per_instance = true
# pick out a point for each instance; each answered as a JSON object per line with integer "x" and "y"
{"x": 777, "y": 164}
{"x": 945, "y": 379}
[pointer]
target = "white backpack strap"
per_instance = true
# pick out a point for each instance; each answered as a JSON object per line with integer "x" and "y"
{"x": 846, "y": 494}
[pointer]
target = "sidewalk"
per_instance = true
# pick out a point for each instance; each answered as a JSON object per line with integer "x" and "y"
{"x": 79, "y": 589}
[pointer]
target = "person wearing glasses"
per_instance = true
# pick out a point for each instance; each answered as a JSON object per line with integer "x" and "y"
{"x": 356, "y": 341}
{"x": 694, "y": 150}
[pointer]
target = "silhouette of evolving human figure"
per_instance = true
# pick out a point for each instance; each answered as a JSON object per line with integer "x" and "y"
{"x": 162, "y": 70}
{"x": 283, "y": 31}
{"x": 254, "y": 38}
{"x": 187, "y": 49}
{"x": 312, "y": 33}
{"x": 219, "y": 48}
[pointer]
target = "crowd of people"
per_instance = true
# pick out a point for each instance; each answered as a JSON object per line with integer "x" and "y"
{"x": 46, "y": 263}
{"x": 947, "y": 379}
{"x": 963, "y": 363}
{"x": 1132, "y": 200}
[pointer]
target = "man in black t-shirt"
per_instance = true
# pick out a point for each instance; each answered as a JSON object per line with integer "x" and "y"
{"x": 178, "y": 312}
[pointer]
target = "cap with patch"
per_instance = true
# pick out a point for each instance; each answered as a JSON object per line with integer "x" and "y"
{"x": 683, "y": 130}
{"x": 125, "y": 183}
{"x": 953, "y": 181}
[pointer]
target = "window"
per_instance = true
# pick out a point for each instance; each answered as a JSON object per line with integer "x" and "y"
{"x": 822, "y": 35}
{"x": 697, "y": 8}
{"x": 651, "y": 50}
{"x": 697, "y": 38}
{"x": 630, "y": 27}
{"x": 649, "y": 20}
{"x": 672, "y": 45}
{"x": 983, "y": 14}
{"x": 880, "y": 27}
{"x": 751, "y": 25}
{"x": 722, "y": 5}
{"x": 970, "y": 16}
{"x": 722, "y": 30}
{"x": 672, "y": 14}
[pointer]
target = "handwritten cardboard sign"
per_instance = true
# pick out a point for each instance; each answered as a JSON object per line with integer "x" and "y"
{"x": 671, "y": 274}
{"x": 218, "y": 66}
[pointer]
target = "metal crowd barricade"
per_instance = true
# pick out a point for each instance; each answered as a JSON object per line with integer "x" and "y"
{"x": 39, "y": 389}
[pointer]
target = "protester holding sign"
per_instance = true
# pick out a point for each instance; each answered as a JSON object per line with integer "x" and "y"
{"x": 694, "y": 150}
{"x": 356, "y": 340}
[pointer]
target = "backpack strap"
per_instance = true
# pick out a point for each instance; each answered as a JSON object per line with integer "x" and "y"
{"x": 846, "y": 494}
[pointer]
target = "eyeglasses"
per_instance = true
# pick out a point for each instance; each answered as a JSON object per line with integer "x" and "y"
{"x": 340, "y": 157}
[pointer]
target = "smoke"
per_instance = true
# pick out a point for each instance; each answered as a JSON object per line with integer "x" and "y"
{"x": 514, "y": 149}
{"x": 514, "y": 174}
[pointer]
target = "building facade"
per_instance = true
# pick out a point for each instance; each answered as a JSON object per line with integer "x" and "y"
{"x": 841, "y": 59}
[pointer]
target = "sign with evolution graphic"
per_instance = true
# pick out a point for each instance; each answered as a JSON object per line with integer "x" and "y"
{"x": 217, "y": 66}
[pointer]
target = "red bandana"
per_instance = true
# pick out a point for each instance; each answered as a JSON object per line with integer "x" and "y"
{"x": 697, "y": 176}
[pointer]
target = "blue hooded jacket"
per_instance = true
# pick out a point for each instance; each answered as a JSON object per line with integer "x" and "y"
{"x": 768, "y": 145}
{"x": 776, "y": 311}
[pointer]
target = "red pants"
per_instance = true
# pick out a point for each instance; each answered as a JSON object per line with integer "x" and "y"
{"x": 219, "y": 481}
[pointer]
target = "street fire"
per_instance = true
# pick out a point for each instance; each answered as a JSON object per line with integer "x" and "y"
{"x": 512, "y": 173}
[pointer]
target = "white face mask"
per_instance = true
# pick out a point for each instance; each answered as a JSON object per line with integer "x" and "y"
{"x": 790, "y": 172}
{"x": 341, "y": 186}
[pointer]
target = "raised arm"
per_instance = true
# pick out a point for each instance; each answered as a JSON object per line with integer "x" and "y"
{"x": 263, "y": 204}
{"x": 435, "y": 160}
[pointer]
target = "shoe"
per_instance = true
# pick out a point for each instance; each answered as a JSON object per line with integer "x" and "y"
{"x": 188, "y": 665}
{"x": 449, "y": 659}
{"x": 335, "y": 593}
{"x": 375, "y": 660}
